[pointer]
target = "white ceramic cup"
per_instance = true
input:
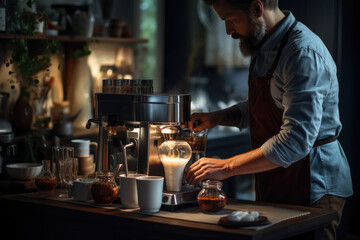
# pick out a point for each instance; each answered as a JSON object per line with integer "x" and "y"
{"x": 150, "y": 189}
{"x": 81, "y": 189}
{"x": 128, "y": 190}
{"x": 82, "y": 146}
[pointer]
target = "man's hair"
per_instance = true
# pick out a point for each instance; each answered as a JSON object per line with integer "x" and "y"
{"x": 245, "y": 4}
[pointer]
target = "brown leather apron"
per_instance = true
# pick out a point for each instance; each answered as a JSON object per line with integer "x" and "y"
{"x": 281, "y": 185}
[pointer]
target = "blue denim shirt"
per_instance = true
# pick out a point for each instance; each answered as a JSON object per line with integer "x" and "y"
{"x": 305, "y": 88}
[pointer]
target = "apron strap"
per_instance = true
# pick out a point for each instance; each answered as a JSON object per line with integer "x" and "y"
{"x": 324, "y": 141}
{"x": 278, "y": 55}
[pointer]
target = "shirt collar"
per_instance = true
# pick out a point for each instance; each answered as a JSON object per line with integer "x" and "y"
{"x": 275, "y": 38}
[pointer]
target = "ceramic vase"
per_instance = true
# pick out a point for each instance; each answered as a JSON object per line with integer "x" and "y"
{"x": 22, "y": 114}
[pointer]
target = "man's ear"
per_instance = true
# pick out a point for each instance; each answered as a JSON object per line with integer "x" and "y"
{"x": 257, "y": 7}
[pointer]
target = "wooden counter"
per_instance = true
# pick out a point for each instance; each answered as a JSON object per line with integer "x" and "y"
{"x": 42, "y": 218}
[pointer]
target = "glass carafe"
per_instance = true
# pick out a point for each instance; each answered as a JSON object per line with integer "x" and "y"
{"x": 46, "y": 181}
{"x": 212, "y": 198}
{"x": 174, "y": 155}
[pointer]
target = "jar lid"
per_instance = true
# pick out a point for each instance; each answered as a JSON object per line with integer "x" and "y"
{"x": 107, "y": 81}
{"x": 105, "y": 173}
{"x": 6, "y": 137}
{"x": 212, "y": 183}
{"x": 125, "y": 81}
{"x": 146, "y": 81}
{"x": 117, "y": 82}
{"x": 134, "y": 82}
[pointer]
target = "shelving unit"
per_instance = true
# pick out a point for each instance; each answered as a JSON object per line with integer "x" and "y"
{"x": 72, "y": 43}
{"x": 78, "y": 39}
{"x": 69, "y": 45}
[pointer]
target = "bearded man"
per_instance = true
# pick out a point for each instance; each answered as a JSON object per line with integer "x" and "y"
{"x": 292, "y": 112}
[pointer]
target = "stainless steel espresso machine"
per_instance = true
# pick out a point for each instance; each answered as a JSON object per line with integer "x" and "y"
{"x": 130, "y": 127}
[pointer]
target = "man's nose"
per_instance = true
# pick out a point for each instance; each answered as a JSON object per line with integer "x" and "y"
{"x": 229, "y": 28}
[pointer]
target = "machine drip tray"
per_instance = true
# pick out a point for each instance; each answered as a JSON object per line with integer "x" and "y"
{"x": 174, "y": 200}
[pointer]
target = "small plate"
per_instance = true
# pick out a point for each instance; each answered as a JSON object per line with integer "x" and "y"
{"x": 259, "y": 221}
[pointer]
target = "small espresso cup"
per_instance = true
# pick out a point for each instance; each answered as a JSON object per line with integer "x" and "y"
{"x": 80, "y": 189}
{"x": 150, "y": 189}
{"x": 82, "y": 146}
{"x": 128, "y": 190}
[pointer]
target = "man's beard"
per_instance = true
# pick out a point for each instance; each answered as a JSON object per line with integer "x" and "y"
{"x": 249, "y": 45}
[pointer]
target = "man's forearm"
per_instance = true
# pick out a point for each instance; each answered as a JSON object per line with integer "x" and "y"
{"x": 253, "y": 161}
{"x": 229, "y": 117}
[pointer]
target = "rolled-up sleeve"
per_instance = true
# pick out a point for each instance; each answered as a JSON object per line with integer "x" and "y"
{"x": 244, "y": 109}
{"x": 306, "y": 81}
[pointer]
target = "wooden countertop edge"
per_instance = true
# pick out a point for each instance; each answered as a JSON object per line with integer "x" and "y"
{"x": 167, "y": 225}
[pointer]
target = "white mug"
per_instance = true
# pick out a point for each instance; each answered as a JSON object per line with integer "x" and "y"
{"x": 150, "y": 189}
{"x": 82, "y": 147}
{"x": 81, "y": 189}
{"x": 128, "y": 190}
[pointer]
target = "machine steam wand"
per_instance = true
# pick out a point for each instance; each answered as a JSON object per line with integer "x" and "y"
{"x": 129, "y": 145}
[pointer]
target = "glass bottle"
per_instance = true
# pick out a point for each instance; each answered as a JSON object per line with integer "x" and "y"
{"x": 211, "y": 198}
{"x": 104, "y": 188}
{"x": 46, "y": 181}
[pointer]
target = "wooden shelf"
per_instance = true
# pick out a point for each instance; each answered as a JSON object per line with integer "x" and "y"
{"x": 64, "y": 38}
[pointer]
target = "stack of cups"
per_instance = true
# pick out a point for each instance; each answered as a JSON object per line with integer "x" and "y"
{"x": 141, "y": 191}
{"x": 86, "y": 160}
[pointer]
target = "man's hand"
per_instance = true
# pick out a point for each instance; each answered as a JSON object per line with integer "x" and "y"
{"x": 207, "y": 168}
{"x": 227, "y": 117}
{"x": 219, "y": 169}
{"x": 207, "y": 120}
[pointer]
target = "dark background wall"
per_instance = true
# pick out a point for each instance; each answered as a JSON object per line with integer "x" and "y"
{"x": 337, "y": 24}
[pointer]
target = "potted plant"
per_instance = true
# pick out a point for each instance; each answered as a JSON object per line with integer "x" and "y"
{"x": 29, "y": 57}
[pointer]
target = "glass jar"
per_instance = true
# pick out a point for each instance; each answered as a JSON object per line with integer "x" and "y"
{"x": 117, "y": 86}
{"x": 122, "y": 86}
{"x": 125, "y": 86}
{"x": 211, "y": 198}
{"x": 134, "y": 86}
{"x": 146, "y": 86}
{"x": 46, "y": 181}
{"x": 107, "y": 86}
{"x": 104, "y": 189}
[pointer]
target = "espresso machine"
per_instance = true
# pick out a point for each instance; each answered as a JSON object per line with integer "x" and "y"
{"x": 130, "y": 132}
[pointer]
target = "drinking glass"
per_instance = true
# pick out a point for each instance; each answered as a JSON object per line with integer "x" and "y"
{"x": 197, "y": 142}
{"x": 61, "y": 176}
{"x": 70, "y": 165}
{"x": 71, "y": 170}
{"x": 66, "y": 166}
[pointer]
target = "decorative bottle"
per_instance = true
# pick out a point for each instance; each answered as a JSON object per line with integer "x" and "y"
{"x": 46, "y": 181}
